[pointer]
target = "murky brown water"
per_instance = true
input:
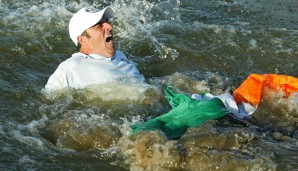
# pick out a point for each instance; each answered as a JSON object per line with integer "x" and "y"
{"x": 195, "y": 46}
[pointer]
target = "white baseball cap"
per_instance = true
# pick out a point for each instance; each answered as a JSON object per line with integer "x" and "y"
{"x": 86, "y": 18}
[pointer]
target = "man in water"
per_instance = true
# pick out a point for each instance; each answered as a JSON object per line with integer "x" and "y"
{"x": 97, "y": 61}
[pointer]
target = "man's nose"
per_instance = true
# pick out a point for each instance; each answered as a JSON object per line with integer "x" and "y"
{"x": 107, "y": 26}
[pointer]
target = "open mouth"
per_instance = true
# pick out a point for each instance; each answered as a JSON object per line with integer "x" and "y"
{"x": 109, "y": 39}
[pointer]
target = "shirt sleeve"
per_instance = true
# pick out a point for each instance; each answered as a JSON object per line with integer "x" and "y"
{"x": 56, "y": 81}
{"x": 60, "y": 79}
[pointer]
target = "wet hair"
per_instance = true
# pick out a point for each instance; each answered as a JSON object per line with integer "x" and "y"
{"x": 85, "y": 33}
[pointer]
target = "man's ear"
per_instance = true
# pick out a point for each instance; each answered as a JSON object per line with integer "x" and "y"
{"x": 82, "y": 40}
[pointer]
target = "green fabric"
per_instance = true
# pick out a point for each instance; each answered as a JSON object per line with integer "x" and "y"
{"x": 185, "y": 113}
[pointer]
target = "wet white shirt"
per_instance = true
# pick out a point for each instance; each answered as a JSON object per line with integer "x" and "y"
{"x": 82, "y": 70}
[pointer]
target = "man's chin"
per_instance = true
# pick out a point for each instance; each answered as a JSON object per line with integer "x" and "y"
{"x": 112, "y": 49}
{"x": 112, "y": 52}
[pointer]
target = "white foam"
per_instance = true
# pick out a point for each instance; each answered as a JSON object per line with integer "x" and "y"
{"x": 28, "y": 140}
{"x": 253, "y": 44}
{"x": 1, "y": 130}
{"x": 293, "y": 102}
{"x": 26, "y": 160}
{"x": 123, "y": 91}
{"x": 280, "y": 100}
{"x": 136, "y": 26}
{"x": 125, "y": 127}
{"x": 28, "y": 134}
{"x": 37, "y": 124}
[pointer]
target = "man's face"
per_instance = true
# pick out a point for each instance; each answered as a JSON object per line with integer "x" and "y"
{"x": 101, "y": 40}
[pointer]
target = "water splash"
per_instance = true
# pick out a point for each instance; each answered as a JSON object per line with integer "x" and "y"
{"x": 138, "y": 21}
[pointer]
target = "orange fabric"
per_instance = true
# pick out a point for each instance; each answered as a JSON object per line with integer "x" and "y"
{"x": 252, "y": 89}
{"x": 286, "y": 83}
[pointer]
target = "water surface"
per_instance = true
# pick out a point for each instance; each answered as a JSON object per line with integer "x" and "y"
{"x": 193, "y": 45}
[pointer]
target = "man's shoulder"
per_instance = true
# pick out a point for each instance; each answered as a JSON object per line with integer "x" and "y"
{"x": 72, "y": 61}
{"x": 77, "y": 56}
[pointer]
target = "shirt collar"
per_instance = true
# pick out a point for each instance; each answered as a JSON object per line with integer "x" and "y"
{"x": 97, "y": 56}
{"x": 102, "y": 57}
